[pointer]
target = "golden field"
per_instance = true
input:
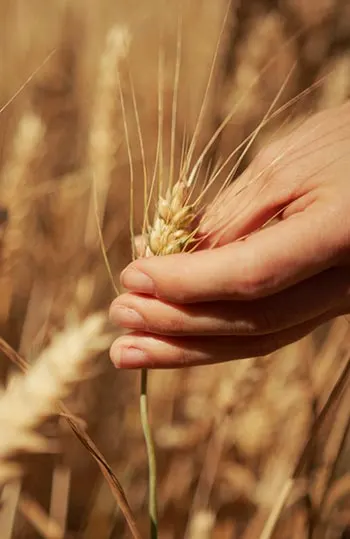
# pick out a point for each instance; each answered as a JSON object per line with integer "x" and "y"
{"x": 251, "y": 449}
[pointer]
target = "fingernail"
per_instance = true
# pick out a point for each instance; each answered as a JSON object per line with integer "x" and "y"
{"x": 126, "y": 317}
{"x": 128, "y": 357}
{"x": 137, "y": 281}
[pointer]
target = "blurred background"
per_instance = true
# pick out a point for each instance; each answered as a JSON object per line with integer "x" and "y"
{"x": 227, "y": 437}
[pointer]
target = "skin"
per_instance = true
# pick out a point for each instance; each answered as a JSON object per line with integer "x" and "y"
{"x": 237, "y": 298}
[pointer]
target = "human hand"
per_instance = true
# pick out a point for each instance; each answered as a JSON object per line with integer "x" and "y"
{"x": 248, "y": 298}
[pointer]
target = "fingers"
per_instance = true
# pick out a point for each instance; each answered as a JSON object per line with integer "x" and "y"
{"x": 324, "y": 293}
{"x": 137, "y": 350}
{"x": 260, "y": 193}
{"x": 283, "y": 172}
{"x": 263, "y": 264}
{"x": 244, "y": 207}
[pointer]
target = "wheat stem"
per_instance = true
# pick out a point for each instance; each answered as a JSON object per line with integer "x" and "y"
{"x": 152, "y": 464}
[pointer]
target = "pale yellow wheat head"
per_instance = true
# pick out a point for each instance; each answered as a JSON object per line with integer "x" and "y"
{"x": 172, "y": 228}
{"x": 17, "y": 187}
{"x": 104, "y": 136}
{"x": 34, "y": 397}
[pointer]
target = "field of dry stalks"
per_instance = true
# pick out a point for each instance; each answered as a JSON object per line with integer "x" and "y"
{"x": 251, "y": 449}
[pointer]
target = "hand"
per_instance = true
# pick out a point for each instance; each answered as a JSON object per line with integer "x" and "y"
{"x": 250, "y": 297}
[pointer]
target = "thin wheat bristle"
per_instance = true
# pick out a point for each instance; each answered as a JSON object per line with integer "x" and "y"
{"x": 32, "y": 398}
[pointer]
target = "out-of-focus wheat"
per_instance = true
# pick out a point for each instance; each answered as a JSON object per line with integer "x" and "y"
{"x": 202, "y": 525}
{"x": 32, "y": 398}
{"x": 104, "y": 137}
{"x": 16, "y": 192}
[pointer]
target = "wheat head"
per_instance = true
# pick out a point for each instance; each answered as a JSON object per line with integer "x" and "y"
{"x": 33, "y": 398}
{"x": 172, "y": 228}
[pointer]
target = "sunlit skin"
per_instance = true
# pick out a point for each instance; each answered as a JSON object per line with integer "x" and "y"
{"x": 236, "y": 298}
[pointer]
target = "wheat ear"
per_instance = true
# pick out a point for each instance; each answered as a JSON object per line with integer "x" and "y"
{"x": 104, "y": 136}
{"x": 16, "y": 192}
{"x": 172, "y": 228}
{"x": 31, "y": 399}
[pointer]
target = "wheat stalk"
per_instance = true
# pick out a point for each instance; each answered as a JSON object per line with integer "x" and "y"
{"x": 170, "y": 233}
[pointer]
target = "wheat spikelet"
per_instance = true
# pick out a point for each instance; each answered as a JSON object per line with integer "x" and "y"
{"x": 31, "y": 399}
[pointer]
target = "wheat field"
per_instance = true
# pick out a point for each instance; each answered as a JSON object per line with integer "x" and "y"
{"x": 250, "y": 449}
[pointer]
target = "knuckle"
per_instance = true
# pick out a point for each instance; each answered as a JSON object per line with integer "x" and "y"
{"x": 249, "y": 285}
{"x": 168, "y": 323}
{"x": 183, "y": 357}
{"x": 255, "y": 280}
{"x": 178, "y": 294}
{"x": 174, "y": 323}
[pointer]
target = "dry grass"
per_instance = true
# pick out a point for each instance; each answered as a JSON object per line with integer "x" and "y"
{"x": 253, "y": 449}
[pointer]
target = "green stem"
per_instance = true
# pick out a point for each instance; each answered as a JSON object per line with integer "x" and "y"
{"x": 152, "y": 466}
